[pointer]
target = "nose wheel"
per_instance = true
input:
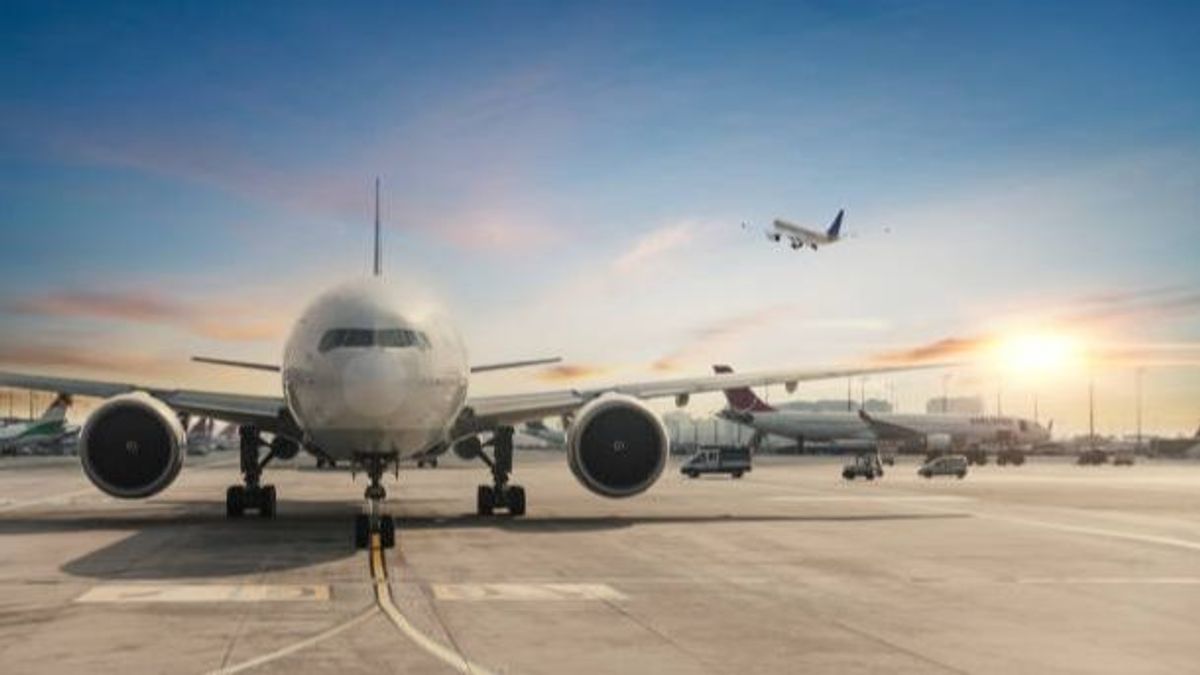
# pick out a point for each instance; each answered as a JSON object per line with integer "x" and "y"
{"x": 375, "y": 520}
{"x": 500, "y": 494}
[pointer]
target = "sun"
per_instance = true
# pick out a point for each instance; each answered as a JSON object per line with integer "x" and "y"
{"x": 1038, "y": 353}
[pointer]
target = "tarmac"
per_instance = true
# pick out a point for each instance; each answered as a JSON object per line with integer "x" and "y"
{"x": 1044, "y": 568}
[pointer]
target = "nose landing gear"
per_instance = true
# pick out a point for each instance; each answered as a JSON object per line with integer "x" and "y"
{"x": 374, "y": 520}
{"x": 251, "y": 495}
{"x": 500, "y": 494}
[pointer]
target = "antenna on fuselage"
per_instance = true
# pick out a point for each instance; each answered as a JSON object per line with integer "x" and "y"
{"x": 378, "y": 257}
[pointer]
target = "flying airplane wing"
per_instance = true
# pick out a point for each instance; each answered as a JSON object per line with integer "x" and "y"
{"x": 269, "y": 413}
{"x": 491, "y": 411}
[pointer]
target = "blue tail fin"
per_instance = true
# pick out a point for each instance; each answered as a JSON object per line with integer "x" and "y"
{"x": 836, "y": 227}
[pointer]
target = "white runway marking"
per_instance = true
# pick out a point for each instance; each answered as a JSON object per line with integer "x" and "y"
{"x": 293, "y": 648}
{"x": 1099, "y": 532}
{"x": 192, "y": 593}
{"x": 53, "y": 499}
{"x": 527, "y": 592}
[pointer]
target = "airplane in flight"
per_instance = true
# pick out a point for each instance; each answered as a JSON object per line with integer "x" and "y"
{"x": 799, "y": 237}
{"x": 375, "y": 378}
{"x": 931, "y": 432}
{"x": 50, "y": 428}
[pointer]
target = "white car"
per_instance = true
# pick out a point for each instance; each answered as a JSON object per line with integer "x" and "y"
{"x": 947, "y": 465}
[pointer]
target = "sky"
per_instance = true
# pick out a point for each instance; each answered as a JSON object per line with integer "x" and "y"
{"x": 571, "y": 179}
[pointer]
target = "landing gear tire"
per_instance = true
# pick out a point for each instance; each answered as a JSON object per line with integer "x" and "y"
{"x": 251, "y": 494}
{"x": 362, "y": 531}
{"x": 485, "y": 500}
{"x": 500, "y": 494}
{"x": 516, "y": 500}
{"x": 266, "y": 501}
{"x": 387, "y": 532}
{"x": 235, "y": 501}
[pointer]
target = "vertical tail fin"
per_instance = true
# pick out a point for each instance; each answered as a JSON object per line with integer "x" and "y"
{"x": 378, "y": 252}
{"x": 742, "y": 399}
{"x": 836, "y": 227}
{"x": 57, "y": 410}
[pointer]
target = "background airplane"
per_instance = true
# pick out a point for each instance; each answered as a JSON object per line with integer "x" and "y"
{"x": 799, "y": 237}
{"x": 931, "y": 433}
{"x": 48, "y": 429}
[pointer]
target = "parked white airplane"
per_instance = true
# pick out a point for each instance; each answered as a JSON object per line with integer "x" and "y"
{"x": 799, "y": 237}
{"x": 50, "y": 428}
{"x": 936, "y": 433}
{"x": 373, "y": 377}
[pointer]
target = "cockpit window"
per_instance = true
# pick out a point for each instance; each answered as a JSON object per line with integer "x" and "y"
{"x": 389, "y": 338}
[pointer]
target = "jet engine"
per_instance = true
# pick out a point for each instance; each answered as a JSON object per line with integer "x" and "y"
{"x": 132, "y": 446}
{"x": 938, "y": 443}
{"x": 617, "y": 447}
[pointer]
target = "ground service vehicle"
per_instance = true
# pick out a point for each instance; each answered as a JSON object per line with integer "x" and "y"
{"x": 867, "y": 466}
{"x": 725, "y": 459}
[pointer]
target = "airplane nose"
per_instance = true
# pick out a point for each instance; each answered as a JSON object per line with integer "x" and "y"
{"x": 376, "y": 383}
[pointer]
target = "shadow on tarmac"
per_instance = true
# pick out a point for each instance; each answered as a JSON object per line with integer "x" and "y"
{"x": 194, "y": 539}
{"x": 534, "y": 524}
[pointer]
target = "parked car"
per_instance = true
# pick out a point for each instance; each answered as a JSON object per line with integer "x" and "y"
{"x": 946, "y": 465}
{"x": 867, "y": 466}
{"x": 1123, "y": 458}
{"x": 732, "y": 460}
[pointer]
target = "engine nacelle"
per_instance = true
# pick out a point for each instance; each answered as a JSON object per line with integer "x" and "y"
{"x": 132, "y": 446}
{"x": 938, "y": 442}
{"x": 617, "y": 447}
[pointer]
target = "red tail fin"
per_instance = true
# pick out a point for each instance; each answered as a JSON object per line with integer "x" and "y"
{"x": 742, "y": 399}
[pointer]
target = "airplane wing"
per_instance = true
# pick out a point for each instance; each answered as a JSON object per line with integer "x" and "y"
{"x": 488, "y": 412}
{"x": 888, "y": 430}
{"x": 269, "y": 413}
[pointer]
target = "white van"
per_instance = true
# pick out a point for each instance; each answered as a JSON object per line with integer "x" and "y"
{"x": 947, "y": 465}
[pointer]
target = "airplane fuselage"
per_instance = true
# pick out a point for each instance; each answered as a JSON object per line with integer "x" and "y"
{"x": 848, "y": 426}
{"x": 366, "y": 371}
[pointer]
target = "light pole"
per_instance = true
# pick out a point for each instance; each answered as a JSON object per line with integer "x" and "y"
{"x": 1092, "y": 412}
{"x": 1140, "y": 371}
{"x": 945, "y": 395}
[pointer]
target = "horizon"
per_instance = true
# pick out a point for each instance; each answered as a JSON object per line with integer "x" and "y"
{"x": 1022, "y": 181}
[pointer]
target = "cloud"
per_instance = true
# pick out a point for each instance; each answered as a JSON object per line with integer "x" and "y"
{"x": 653, "y": 245}
{"x": 217, "y": 320}
{"x": 132, "y": 306}
{"x": 1154, "y": 303}
{"x": 55, "y": 355}
{"x": 938, "y": 350}
{"x": 713, "y": 336}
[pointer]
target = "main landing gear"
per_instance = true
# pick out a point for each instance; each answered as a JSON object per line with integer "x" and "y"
{"x": 500, "y": 494}
{"x": 375, "y": 521}
{"x": 251, "y": 495}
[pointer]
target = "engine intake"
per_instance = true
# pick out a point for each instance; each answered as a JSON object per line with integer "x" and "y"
{"x": 132, "y": 446}
{"x": 617, "y": 447}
